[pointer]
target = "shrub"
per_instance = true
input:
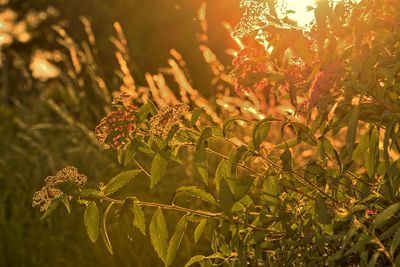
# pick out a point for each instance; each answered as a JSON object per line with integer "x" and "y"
{"x": 307, "y": 175}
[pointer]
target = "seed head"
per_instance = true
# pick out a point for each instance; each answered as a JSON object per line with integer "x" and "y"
{"x": 166, "y": 118}
{"x": 117, "y": 128}
{"x": 249, "y": 70}
{"x": 51, "y": 190}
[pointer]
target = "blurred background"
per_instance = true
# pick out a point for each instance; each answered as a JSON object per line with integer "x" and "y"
{"x": 58, "y": 69}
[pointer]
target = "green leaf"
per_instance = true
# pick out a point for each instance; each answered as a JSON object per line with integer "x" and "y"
{"x": 383, "y": 217}
{"x": 352, "y": 130}
{"x": 104, "y": 233}
{"x": 321, "y": 210}
{"x": 395, "y": 242}
{"x": 152, "y": 107}
{"x": 143, "y": 111}
{"x": 233, "y": 160}
{"x": 287, "y": 160}
{"x": 175, "y": 240}
{"x": 90, "y": 193}
{"x": 206, "y": 133}
{"x": 159, "y": 234}
{"x": 314, "y": 171}
{"x": 65, "y": 202}
{"x": 373, "y": 260}
{"x": 391, "y": 230}
{"x": 226, "y": 199}
{"x": 197, "y": 192}
{"x": 119, "y": 181}
{"x": 271, "y": 190}
{"x": 139, "y": 218}
{"x": 240, "y": 188}
{"x": 228, "y": 123}
{"x": 362, "y": 146}
{"x": 91, "y": 219}
{"x": 360, "y": 245}
{"x": 195, "y": 259}
{"x": 200, "y": 162}
{"x": 53, "y": 205}
{"x": 195, "y": 116}
{"x": 260, "y": 132}
{"x": 158, "y": 169}
{"x": 198, "y": 232}
{"x": 221, "y": 172}
{"x": 373, "y": 155}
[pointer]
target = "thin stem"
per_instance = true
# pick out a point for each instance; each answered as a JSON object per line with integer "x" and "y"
{"x": 141, "y": 167}
{"x": 300, "y": 178}
{"x": 206, "y": 214}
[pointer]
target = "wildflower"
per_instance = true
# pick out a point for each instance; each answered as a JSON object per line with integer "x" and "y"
{"x": 166, "y": 118}
{"x": 323, "y": 83}
{"x": 249, "y": 70}
{"x": 369, "y": 212}
{"x": 117, "y": 128}
{"x": 51, "y": 190}
{"x": 68, "y": 174}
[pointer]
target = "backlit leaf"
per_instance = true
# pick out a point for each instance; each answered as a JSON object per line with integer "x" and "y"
{"x": 175, "y": 240}
{"x": 199, "y": 230}
{"x": 383, "y": 217}
{"x": 91, "y": 219}
{"x": 197, "y": 192}
{"x": 226, "y": 199}
{"x": 352, "y": 130}
{"x": 104, "y": 232}
{"x": 139, "y": 219}
{"x": 159, "y": 234}
{"x": 195, "y": 259}
{"x": 200, "y": 162}
{"x": 321, "y": 210}
{"x": 158, "y": 169}
{"x": 53, "y": 205}
{"x": 119, "y": 181}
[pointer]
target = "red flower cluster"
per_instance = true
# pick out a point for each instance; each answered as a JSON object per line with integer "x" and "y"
{"x": 323, "y": 83}
{"x": 117, "y": 128}
{"x": 249, "y": 70}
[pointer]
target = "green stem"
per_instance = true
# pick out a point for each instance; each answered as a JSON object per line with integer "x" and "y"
{"x": 141, "y": 167}
{"x": 206, "y": 214}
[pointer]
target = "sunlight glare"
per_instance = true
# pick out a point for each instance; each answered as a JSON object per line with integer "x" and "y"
{"x": 301, "y": 11}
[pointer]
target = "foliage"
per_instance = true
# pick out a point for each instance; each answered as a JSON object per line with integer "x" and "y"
{"x": 316, "y": 185}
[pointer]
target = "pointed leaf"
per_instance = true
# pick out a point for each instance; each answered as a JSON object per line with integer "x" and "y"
{"x": 226, "y": 199}
{"x": 195, "y": 259}
{"x": 198, "y": 232}
{"x": 221, "y": 172}
{"x": 158, "y": 169}
{"x": 104, "y": 233}
{"x": 175, "y": 240}
{"x": 321, "y": 211}
{"x": 139, "y": 219}
{"x": 260, "y": 132}
{"x": 53, "y": 205}
{"x": 159, "y": 234}
{"x": 197, "y": 192}
{"x": 395, "y": 242}
{"x": 352, "y": 130}
{"x": 65, "y": 202}
{"x": 91, "y": 219}
{"x": 383, "y": 217}
{"x": 196, "y": 115}
{"x": 119, "y": 181}
{"x": 200, "y": 162}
